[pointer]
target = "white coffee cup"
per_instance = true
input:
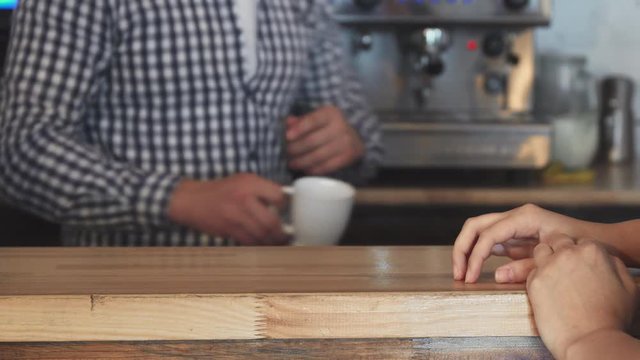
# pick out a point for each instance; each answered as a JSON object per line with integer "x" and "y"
{"x": 320, "y": 210}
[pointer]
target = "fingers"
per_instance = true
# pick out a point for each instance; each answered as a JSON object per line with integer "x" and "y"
{"x": 532, "y": 275}
{"x": 242, "y": 207}
{"x": 623, "y": 273}
{"x": 316, "y": 157}
{"x": 267, "y": 223}
{"x": 515, "y": 248}
{"x": 322, "y": 142}
{"x": 503, "y": 230}
{"x": 553, "y": 244}
{"x": 619, "y": 267}
{"x": 241, "y": 235}
{"x": 343, "y": 151}
{"x": 518, "y": 271}
{"x": 542, "y": 254}
{"x": 249, "y": 226}
{"x": 521, "y": 223}
{"x": 256, "y": 224}
{"x": 249, "y": 214}
{"x": 297, "y": 129}
{"x": 467, "y": 238}
{"x": 558, "y": 242}
{"x": 270, "y": 193}
{"x": 515, "y": 272}
{"x": 309, "y": 142}
{"x": 511, "y": 234}
{"x": 331, "y": 165}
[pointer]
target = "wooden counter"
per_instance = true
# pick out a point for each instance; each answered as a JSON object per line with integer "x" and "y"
{"x": 235, "y": 302}
{"x": 613, "y": 186}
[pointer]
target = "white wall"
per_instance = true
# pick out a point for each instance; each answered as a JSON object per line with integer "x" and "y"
{"x": 607, "y": 32}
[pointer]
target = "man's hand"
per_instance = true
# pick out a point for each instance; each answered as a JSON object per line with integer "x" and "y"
{"x": 322, "y": 142}
{"x": 240, "y": 207}
{"x": 514, "y": 234}
{"x": 578, "y": 293}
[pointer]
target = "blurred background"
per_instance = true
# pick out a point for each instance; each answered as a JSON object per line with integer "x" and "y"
{"x": 487, "y": 104}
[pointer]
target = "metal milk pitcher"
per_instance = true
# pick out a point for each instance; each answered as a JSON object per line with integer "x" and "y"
{"x": 562, "y": 85}
{"x": 616, "y": 121}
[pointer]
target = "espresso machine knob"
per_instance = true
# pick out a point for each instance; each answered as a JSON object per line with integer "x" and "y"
{"x": 431, "y": 65}
{"x": 495, "y": 83}
{"x": 429, "y": 44}
{"x": 513, "y": 59}
{"x": 367, "y": 5}
{"x": 494, "y": 45}
{"x": 435, "y": 67}
{"x": 362, "y": 41}
{"x": 516, "y": 4}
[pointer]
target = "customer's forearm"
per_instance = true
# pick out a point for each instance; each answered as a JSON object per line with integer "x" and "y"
{"x": 623, "y": 239}
{"x": 605, "y": 344}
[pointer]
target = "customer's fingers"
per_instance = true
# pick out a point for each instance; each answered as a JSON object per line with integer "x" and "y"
{"x": 559, "y": 242}
{"x": 515, "y": 272}
{"x": 515, "y": 248}
{"x": 466, "y": 240}
{"x": 511, "y": 227}
{"x": 542, "y": 254}
{"x": 623, "y": 273}
{"x": 530, "y": 278}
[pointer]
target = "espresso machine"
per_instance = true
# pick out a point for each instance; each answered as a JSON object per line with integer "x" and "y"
{"x": 451, "y": 80}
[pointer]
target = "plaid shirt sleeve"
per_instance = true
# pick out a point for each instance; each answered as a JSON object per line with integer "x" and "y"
{"x": 331, "y": 80}
{"x": 56, "y": 55}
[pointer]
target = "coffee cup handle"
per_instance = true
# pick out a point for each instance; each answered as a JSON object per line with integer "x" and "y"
{"x": 288, "y": 228}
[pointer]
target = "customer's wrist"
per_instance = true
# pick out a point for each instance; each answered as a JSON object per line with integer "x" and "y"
{"x": 179, "y": 201}
{"x": 589, "y": 346}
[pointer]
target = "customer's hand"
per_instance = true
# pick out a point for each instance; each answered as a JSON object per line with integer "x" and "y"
{"x": 241, "y": 207}
{"x": 579, "y": 292}
{"x": 322, "y": 142}
{"x": 514, "y": 234}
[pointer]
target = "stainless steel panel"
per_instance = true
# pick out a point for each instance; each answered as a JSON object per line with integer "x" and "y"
{"x": 518, "y": 146}
{"x": 444, "y": 12}
{"x": 390, "y": 80}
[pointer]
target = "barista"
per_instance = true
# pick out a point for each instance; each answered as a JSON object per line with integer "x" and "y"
{"x": 168, "y": 123}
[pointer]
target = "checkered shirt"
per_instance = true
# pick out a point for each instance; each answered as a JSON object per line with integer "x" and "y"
{"x": 107, "y": 104}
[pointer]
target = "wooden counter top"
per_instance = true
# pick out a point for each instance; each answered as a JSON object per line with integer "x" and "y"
{"x": 439, "y": 196}
{"x": 231, "y": 270}
{"x": 613, "y": 186}
{"x": 97, "y": 294}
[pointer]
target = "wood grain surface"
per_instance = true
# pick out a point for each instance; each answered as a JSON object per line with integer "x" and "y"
{"x": 552, "y": 196}
{"x": 370, "y": 349}
{"x": 112, "y": 294}
{"x": 240, "y": 270}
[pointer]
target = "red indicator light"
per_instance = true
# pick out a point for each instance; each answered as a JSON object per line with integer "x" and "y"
{"x": 472, "y": 45}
